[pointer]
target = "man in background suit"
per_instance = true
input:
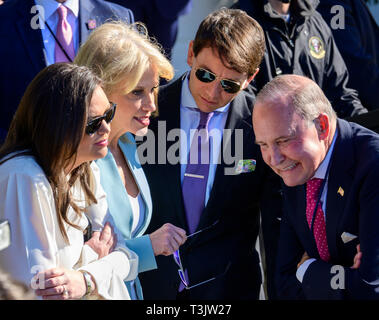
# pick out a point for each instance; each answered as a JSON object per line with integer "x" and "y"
{"x": 357, "y": 39}
{"x": 161, "y": 18}
{"x": 220, "y": 261}
{"x": 329, "y": 239}
{"x": 26, "y": 48}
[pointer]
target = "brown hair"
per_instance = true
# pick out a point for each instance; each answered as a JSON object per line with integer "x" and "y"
{"x": 236, "y": 37}
{"x": 49, "y": 125}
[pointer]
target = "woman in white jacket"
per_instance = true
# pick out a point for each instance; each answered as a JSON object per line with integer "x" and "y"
{"x": 49, "y": 190}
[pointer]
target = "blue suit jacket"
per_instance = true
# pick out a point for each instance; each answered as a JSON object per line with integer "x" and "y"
{"x": 22, "y": 50}
{"x": 119, "y": 205}
{"x": 354, "y": 169}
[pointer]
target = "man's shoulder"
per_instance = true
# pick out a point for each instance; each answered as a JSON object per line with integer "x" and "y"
{"x": 110, "y": 10}
{"x": 9, "y": 9}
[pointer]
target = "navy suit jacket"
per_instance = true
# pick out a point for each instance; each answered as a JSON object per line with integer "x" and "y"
{"x": 22, "y": 50}
{"x": 234, "y": 201}
{"x": 354, "y": 169}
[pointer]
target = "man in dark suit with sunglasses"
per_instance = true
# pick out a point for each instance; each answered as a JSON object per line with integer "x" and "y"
{"x": 218, "y": 201}
{"x": 28, "y": 43}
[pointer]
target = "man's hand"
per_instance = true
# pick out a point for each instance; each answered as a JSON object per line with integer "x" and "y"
{"x": 304, "y": 258}
{"x": 167, "y": 239}
{"x": 357, "y": 258}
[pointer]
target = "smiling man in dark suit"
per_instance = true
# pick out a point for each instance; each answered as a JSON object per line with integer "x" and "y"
{"x": 329, "y": 239}
{"x": 217, "y": 200}
{"x": 28, "y": 44}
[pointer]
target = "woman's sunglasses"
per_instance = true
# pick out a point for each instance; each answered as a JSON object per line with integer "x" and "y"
{"x": 206, "y": 76}
{"x": 95, "y": 124}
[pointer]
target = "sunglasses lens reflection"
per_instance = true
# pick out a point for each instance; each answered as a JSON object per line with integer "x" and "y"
{"x": 177, "y": 258}
{"x": 230, "y": 86}
{"x": 204, "y": 75}
{"x": 182, "y": 277}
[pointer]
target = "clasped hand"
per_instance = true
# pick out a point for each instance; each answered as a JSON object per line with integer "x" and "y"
{"x": 63, "y": 284}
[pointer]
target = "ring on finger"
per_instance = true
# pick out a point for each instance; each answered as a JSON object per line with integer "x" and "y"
{"x": 65, "y": 292}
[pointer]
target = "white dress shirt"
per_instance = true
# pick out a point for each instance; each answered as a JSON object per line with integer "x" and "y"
{"x": 320, "y": 173}
{"x": 27, "y": 202}
{"x": 51, "y": 17}
{"x": 189, "y": 121}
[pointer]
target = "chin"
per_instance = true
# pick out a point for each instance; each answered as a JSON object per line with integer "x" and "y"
{"x": 293, "y": 182}
{"x": 101, "y": 154}
{"x": 141, "y": 132}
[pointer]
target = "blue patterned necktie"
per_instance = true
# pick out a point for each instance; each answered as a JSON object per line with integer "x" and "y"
{"x": 196, "y": 174}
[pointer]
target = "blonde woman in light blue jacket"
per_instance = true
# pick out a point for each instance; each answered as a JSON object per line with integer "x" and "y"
{"x": 130, "y": 65}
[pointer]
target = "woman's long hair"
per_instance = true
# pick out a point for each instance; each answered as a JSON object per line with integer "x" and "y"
{"x": 49, "y": 125}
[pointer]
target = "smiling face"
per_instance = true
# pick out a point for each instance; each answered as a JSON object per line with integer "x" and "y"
{"x": 291, "y": 146}
{"x": 134, "y": 108}
{"x": 211, "y": 96}
{"x": 94, "y": 146}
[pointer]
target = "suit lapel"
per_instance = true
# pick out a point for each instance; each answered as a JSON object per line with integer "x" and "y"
{"x": 32, "y": 38}
{"x": 169, "y": 111}
{"x": 86, "y": 13}
{"x": 339, "y": 183}
{"x": 129, "y": 150}
{"x": 238, "y": 111}
{"x": 301, "y": 205}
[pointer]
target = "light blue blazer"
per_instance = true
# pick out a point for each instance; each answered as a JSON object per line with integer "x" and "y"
{"x": 120, "y": 208}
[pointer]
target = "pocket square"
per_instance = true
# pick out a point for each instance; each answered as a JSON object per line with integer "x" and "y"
{"x": 347, "y": 237}
{"x": 246, "y": 165}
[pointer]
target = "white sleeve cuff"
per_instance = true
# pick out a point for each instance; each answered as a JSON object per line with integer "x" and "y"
{"x": 302, "y": 269}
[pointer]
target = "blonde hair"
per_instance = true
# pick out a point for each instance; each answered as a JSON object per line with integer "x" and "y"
{"x": 117, "y": 52}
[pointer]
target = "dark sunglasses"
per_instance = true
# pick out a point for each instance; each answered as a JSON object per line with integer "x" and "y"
{"x": 206, "y": 76}
{"x": 95, "y": 124}
{"x": 181, "y": 271}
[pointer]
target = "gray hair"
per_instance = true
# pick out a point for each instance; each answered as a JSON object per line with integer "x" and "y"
{"x": 301, "y": 93}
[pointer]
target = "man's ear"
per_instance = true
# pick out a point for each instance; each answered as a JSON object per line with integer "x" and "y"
{"x": 250, "y": 79}
{"x": 190, "y": 54}
{"x": 322, "y": 124}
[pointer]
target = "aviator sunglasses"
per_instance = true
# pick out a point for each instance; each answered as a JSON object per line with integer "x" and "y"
{"x": 182, "y": 272}
{"x": 206, "y": 76}
{"x": 95, "y": 124}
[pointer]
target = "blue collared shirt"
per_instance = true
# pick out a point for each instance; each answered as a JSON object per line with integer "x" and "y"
{"x": 189, "y": 120}
{"x": 51, "y": 17}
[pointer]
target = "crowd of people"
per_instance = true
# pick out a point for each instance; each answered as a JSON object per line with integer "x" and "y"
{"x": 116, "y": 187}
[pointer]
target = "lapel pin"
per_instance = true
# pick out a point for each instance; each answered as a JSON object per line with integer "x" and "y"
{"x": 341, "y": 191}
{"x": 91, "y": 24}
{"x": 246, "y": 165}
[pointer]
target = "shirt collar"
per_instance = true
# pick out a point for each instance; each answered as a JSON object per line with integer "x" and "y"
{"x": 321, "y": 170}
{"x": 187, "y": 100}
{"x": 50, "y": 6}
